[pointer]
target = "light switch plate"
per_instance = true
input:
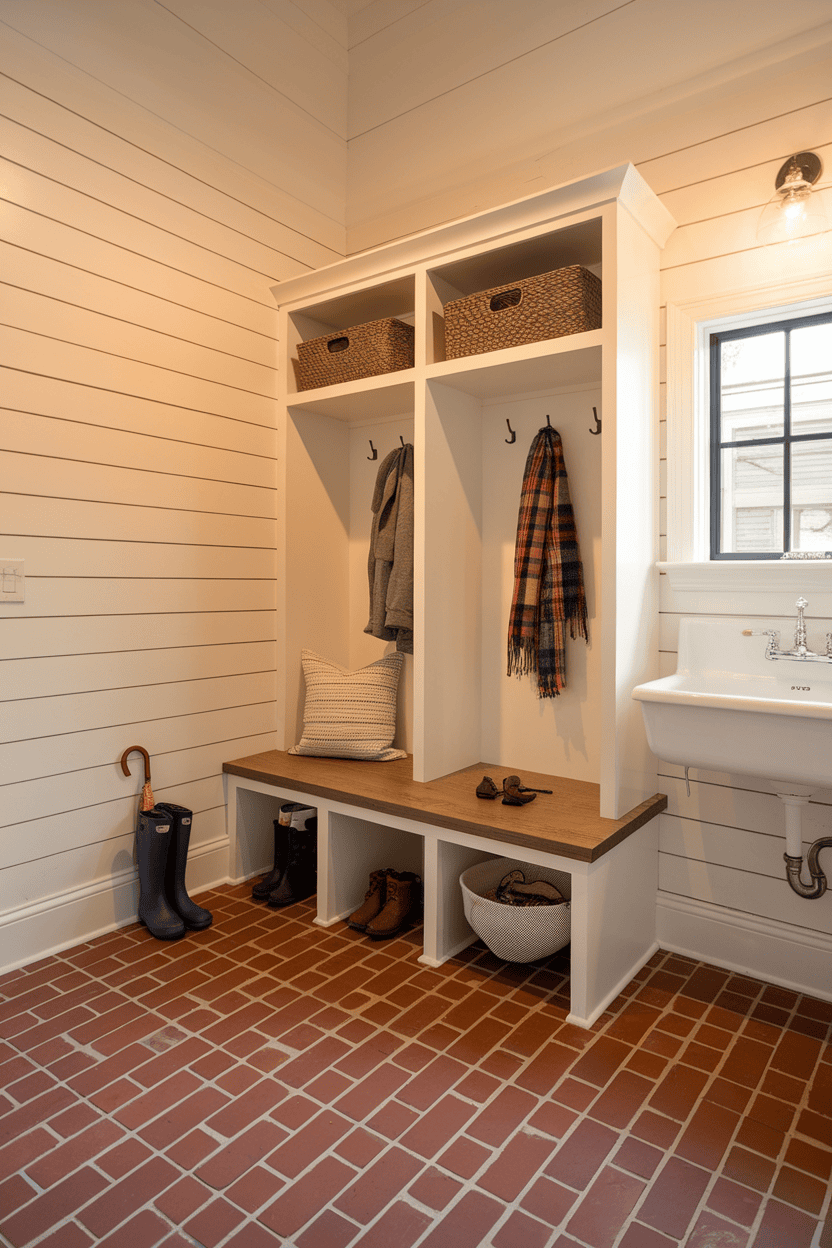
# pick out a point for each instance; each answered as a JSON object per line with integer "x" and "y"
{"x": 12, "y": 580}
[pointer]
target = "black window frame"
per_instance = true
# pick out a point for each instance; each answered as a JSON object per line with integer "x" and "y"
{"x": 787, "y": 440}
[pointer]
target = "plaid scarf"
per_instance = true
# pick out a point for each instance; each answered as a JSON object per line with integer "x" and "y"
{"x": 548, "y": 578}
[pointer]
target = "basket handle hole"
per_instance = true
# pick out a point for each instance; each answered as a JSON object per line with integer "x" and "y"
{"x": 505, "y": 299}
{"x": 337, "y": 344}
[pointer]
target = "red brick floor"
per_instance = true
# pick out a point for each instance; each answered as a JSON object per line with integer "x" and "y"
{"x": 271, "y": 1082}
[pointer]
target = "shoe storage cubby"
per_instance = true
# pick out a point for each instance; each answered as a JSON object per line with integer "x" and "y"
{"x": 354, "y": 848}
{"x": 254, "y": 852}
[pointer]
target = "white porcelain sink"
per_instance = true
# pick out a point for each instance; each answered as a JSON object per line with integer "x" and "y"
{"x": 728, "y": 708}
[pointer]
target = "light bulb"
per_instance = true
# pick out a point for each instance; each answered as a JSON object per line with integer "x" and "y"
{"x": 794, "y": 211}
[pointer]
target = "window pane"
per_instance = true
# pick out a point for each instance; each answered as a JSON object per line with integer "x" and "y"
{"x": 753, "y": 384}
{"x": 752, "y": 500}
{"x": 812, "y": 495}
{"x": 811, "y": 371}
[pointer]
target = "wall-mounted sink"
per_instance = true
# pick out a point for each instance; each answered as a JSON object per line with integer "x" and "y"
{"x": 730, "y": 708}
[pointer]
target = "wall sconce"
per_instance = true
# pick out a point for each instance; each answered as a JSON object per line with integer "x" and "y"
{"x": 794, "y": 209}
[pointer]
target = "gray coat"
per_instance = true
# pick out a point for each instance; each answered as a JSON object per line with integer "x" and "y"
{"x": 390, "y": 564}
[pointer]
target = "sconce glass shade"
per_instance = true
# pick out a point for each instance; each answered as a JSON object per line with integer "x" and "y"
{"x": 794, "y": 210}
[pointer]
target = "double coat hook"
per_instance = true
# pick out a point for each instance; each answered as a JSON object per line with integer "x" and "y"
{"x": 373, "y": 456}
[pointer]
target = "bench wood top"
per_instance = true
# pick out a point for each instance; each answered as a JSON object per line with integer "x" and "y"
{"x": 566, "y": 823}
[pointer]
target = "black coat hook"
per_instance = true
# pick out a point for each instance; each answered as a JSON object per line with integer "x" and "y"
{"x": 548, "y": 423}
{"x": 373, "y": 449}
{"x": 513, "y": 437}
{"x": 401, "y": 439}
{"x": 597, "y": 428}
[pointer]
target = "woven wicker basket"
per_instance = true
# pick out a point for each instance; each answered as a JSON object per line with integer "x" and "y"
{"x": 566, "y": 301}
{"x": 516, "y": 933}
{"x": 348, "y": 354}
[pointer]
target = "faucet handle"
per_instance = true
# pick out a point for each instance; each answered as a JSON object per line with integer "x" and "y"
{"x": 763, "y": 632}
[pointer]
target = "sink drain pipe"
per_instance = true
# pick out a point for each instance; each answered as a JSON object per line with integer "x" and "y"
{"x": 793, "y": 856}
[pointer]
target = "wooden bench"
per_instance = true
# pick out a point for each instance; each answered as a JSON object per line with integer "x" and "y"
{"x": 373, "y": 815}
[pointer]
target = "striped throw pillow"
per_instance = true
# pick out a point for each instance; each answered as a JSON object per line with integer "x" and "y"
{"x": 350, "y": 714}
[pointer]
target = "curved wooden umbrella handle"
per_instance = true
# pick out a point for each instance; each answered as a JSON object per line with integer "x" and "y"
{"x": 147, "y": 800}
{"x": 142, "y": 751}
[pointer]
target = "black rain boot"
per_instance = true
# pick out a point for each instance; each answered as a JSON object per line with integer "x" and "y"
{"x": 192, "y": 915}
{"x": 154, "y": 846}
{"x": 300, "y": 879}
{"x": 269, "y": 883}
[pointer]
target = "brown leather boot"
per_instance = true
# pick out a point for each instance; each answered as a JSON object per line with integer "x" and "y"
{"x": 403, "y": 898}
{"x": 374, "y": 900}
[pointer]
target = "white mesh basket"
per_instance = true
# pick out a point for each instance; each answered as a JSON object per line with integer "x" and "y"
{"x": 515, "y": 933}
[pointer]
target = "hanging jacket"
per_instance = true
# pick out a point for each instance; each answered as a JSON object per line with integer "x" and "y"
{"x": 390, "y": 564}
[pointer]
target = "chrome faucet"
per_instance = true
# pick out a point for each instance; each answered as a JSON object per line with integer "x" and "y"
{"x": 800, "y": 651}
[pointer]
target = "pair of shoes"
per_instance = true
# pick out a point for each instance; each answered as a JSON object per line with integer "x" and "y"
{"x": 515, "y": 793}
{"x": 294, "y": 876}
{"x": 162, "y": 838}
{"x": 291, "y": 815}
{"x": 515, "y": 890}
{"x": 391, "y": 899}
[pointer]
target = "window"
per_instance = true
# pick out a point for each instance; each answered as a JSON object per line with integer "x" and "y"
{"x": 771, "y": 438}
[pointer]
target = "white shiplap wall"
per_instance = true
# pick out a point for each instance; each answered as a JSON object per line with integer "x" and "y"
{"x": 544, "y": 94}
{"x": 140, "y": 238}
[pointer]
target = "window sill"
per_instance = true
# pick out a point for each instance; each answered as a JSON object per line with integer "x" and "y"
{"x": 750, "y": 576}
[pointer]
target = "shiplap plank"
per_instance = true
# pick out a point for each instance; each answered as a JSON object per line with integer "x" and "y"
{"x": 149, "y": 145}
{"x": 719, "y": 194}
{"x": 28, "y": 189}
{"x": 61, "y": 597}
{"x": 33, "y": 800}
{"x": 77, "y": 712}
{"x": 746, "y": 126}
{"x": 34, "y": 229}
{"x": 740, "y": 809}
{"x": 39, "y": 516}
{"x": 73, "y": 751}
{"x": 369, "y": 19}
{"x": 746, "y": 269}
{"x": 39, "y": 154}
{"x": 70, "y": 673}
{"x": 139, "y": 562}
{"x": 297, "y": 231}
{"x": 183, "y": 432}
{"x": 66, "y": 439}
{"x": 744, "y": 891}
{"x": 274, "y": 51}
{"x": 144, "y": 53}
{"x": 35, "y": 353}
{"x": 58, "y": 318}
{"x": 319, "y": 23}
{"x": 76, "y": 288}
{"x": 453, "y": 43}
{"x": 60, "y": 478}
{"x": 30, "y": 638}
{"x": 757, "y": 849}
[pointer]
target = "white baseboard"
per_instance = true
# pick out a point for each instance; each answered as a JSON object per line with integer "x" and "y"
{"x": 780, "y": 953}
{"x": 31, "y": 932}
